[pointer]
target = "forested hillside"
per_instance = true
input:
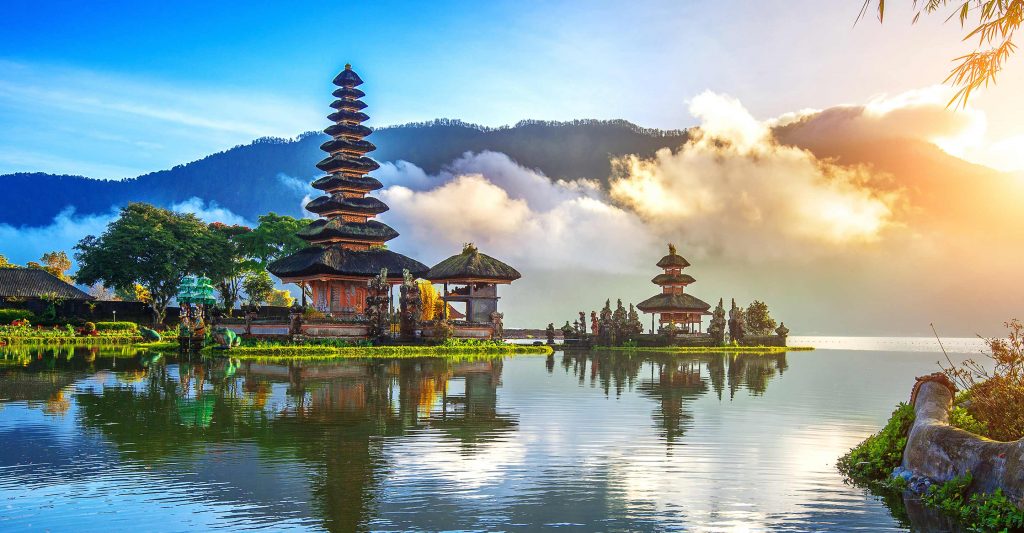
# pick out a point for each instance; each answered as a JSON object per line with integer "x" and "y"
{"x": 248, "y": 179}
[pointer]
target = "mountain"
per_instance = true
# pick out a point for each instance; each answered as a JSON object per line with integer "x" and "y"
{"x": 251, "y": 180}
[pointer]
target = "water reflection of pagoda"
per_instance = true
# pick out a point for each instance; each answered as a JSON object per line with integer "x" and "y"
{"x": 673, "y": 380}
{"x": 335, "y": 418}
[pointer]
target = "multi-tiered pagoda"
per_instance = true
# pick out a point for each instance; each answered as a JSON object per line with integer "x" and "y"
{"x": 346, "y": 242}
{"x": 676, "y": 308}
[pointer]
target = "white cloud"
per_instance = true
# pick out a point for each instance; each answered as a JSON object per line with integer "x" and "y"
{"x": 23, "y": 244}
{"x": 210, "y": 213}
{"x": 515, "y": 214}
{"x": 733, "y": 190}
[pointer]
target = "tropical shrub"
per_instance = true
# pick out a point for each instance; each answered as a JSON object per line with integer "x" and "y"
{"x": 996, "y": 396}
{"x": 10, "y": 315}
{"x": 979, "y": 512}
{"x": 876, "y": 457}
{"x": 119, "y": 327}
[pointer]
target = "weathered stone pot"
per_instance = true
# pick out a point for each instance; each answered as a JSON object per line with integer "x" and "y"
{"x": 941, "y": 452}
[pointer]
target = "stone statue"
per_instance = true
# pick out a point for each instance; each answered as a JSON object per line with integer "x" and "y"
{"x": 595, "y": 328}
{"x": 550, "y": 332}
{"x": 782, "y": 330}
{"x": 498, "y": 325}
{"x": 605, "y": 325}
{"x": 378, "y": 296}
{"x": 636, "y": 327}
{"x": 583, "y": 325}
{"x": 716, "y": 329}
{"x": 149, "y": 335}
{"x": 568, "y": 332}
{"x": 411, "y": 306}
{"x": 737, "y": 324}
{"x": 226, "y": 339}
{"x": 295, "y": 320}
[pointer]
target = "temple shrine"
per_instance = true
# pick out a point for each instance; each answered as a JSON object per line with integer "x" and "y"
{"x": 676, "y": 309}
{"x": 339, "y": 269}
{"x": 346, "y": 242}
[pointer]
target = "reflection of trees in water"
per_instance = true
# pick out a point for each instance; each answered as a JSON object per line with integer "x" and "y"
{"x": 335, "y": 418}
{"x": 672, "y": 379}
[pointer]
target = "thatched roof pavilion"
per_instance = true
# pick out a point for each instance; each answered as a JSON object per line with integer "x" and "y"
{"x": 471, "y": 266}
{"x": 673, "y": 305}
{"x": 479, "y": 274}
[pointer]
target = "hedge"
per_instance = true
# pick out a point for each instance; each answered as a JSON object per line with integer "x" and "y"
{"x": 10, "y": 315}
{"x": 127, "y": 327}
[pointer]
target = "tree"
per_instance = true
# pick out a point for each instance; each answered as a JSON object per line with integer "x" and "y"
{"x": 149, "y": 246}
{"x": 280, "y": 298}
{"x": 994, "y": 22}
{"x": 228, "y": 262}
{"x": 258, "y": 286}
{"x": 272, "y": 239}
{"x": 4, "y": 263}
{"x": 430, "y": 300}
{"x": 758, "y": 320}
{"x": 58, "y": 264}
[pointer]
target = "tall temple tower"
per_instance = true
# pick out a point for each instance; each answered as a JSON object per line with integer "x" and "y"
{"x": 346, "y": 242}
{"x": 684, "y": 311}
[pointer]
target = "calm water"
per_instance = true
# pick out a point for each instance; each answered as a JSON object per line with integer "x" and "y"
{"x": 113, "y": 440}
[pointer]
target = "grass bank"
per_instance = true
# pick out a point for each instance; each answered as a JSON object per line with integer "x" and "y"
{"x": 59, "y": 340}
{"x": 281, "y": 351}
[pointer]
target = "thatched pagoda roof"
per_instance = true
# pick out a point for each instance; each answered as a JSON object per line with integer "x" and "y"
{"x": 472, "y": 266}
{"x": 352, "y": 145}
{"x": 336, "y": 260}
{"x": 340, "y": 162}
{"x": 346, "y": 103}
{"x": 673, "y": 302}
{"x": 371, "y": 231}
{"x": 349, "y": 130}
{"x": 344, "y": 115}
{"x": 348, "y": 78}
{"x": 35, "y": 283}
{"x": 338, "y": 181}
{"x": 338, "y": 202}
{"x": 673, "y": 279}
{"x": 348, "y": 92}
{"x": 673, "y": 260}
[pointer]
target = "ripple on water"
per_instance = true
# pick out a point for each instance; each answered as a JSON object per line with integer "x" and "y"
{"x": 611, "y": 442}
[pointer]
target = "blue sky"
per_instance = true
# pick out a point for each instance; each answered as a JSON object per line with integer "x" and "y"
{"x": 115, "y": 89}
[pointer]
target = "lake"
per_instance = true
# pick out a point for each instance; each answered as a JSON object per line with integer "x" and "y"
{"x": 112, "y": 439}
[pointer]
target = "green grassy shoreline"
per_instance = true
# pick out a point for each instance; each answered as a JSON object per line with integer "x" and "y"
{"x": 54, "y": 340}
{"x": 304, "y": 352}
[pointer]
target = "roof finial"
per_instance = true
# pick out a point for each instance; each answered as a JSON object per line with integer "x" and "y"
{"x": 468, "y": 249}
{"x": 671, "y": 249}
{"x": 348, "y": 66}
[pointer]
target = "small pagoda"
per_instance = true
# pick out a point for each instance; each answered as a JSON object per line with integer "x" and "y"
{"x": 676, "y": 309}
{"x": 477, "y": 277}
{"x": 346, "y": 242}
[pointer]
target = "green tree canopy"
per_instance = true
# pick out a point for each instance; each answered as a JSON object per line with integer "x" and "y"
{"x": 149, "y": 246}
{"x": 272, "y": 239}
{"x": 258, "y": 286}
{"x": 758, "y": 320}
{"x": 229, "y": 262}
